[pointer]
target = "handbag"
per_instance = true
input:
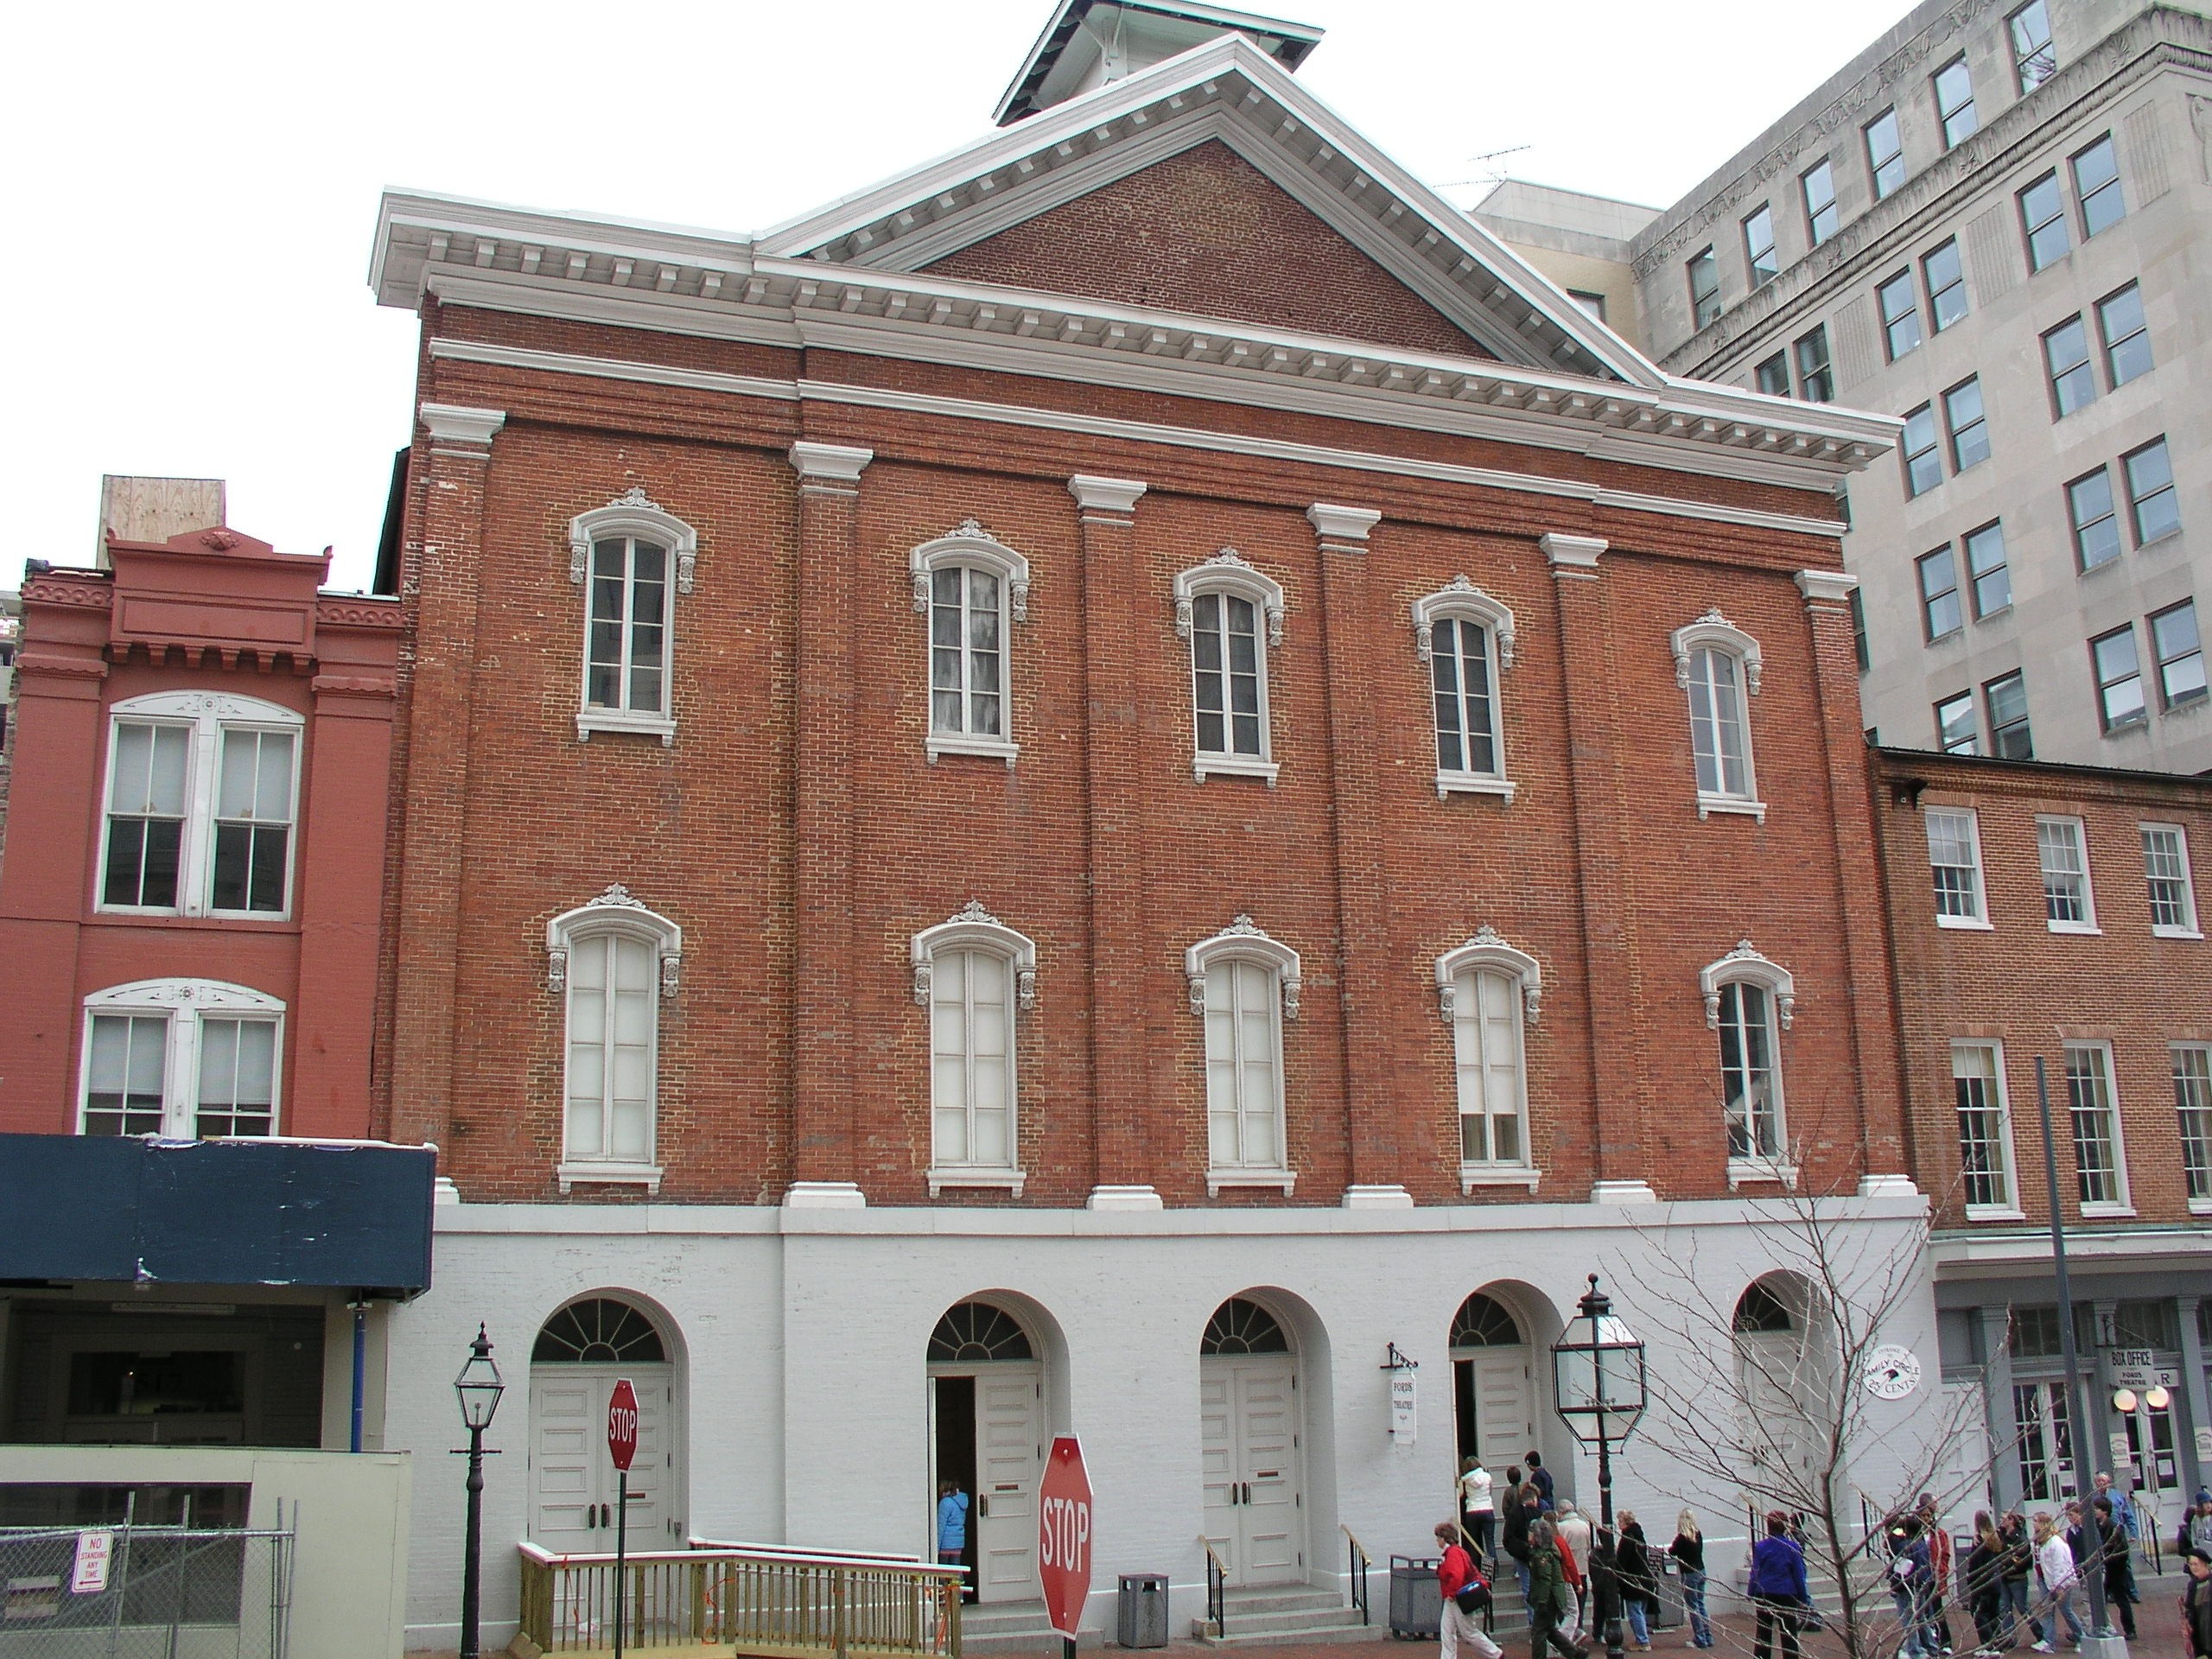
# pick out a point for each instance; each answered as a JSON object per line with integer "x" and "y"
{"x": 1472, "y": 1596}
{"x": 1808, "y": 1620}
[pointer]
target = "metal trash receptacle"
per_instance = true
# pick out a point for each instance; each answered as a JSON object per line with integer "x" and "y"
{"x": 1416, "y": 1599}
{"x": 1667, "y": 1613}
{"x": 1141, "y": 1611}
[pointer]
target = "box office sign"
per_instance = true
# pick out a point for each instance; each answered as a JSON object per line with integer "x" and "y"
{"x": 2138, "y": 1368}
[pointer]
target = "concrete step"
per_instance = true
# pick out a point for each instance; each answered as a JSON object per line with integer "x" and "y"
{"x": 1330, "y": 1633}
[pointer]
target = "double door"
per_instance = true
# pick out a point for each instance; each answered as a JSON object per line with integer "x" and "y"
{"x": 987, "y": 1436}
{"x": 572, "y": 1479}
{"x": 1248, "y": 1437}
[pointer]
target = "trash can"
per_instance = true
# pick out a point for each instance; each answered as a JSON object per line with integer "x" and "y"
{"x": 1141, "y": 1614}
{"x": 1416, "y": 1600}
{"x": 1666, "y": 1613}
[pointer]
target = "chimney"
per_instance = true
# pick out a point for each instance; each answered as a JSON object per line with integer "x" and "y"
{"x": 154, "y": 508}
{"x": 1090, "y": 42}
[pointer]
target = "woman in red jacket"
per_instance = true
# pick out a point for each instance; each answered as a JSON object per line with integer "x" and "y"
{"x": 1457, "y": 1576}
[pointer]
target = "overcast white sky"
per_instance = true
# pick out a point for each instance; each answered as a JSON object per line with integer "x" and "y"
{"x": 194, "y": 186}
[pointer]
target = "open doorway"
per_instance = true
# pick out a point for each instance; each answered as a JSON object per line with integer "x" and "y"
{"x": 987, "y": 1433}
{"x": 952, "y": 1411}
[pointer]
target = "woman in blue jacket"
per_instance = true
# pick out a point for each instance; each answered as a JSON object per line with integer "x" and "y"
{"x": 1777, "y": 1587}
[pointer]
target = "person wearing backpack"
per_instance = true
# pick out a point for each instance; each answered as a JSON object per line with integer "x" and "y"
{"x": 1465, "y": 1593}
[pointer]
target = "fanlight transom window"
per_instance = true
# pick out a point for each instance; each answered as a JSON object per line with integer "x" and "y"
{"x": 1483, "y": 1322}
{"x": 977, "y": 1333}
{"x": 598, "y": 1332}
{"x": 1240, "y": 1326}
{"x": 1760, "y": 1311}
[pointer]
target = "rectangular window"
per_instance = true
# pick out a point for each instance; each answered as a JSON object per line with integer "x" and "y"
{"x": 971, "y": 1060}
{"x": 1969, "y": 426}
{"x": 2180, "y": 656}
{"x": 1816, "y": 378}
{"x": 238, "y": 1078}
{"x": 2102, "y": 1178}
{"x": 2034, "y": 61}
{"x": 2005, "y": 698}
{"x": 1923, "y": 466}
{"x": 1717, "y": 740}
{"x": 1750, "y": 1084}
{"x": 126, "y": 1074}
{"x": 1772, "y": 376}
{"x": 1705, "y": 287}
{"x": 2046, "y": 1442}
{"x": 1941, "y": 615}
{"x": 2042, "y": 215}
{"x": 625, "y": 666}
{"x": 2096, "y": 182}
{"x": 1486, "y": 1026}
{"x": 2192, "y": 1064}
{"x": 1946, "y": 285}
{"x": 1593, "y": 303}
{"x": 1988, "y": 570}
{"x": 1859, "y": 646}
{"x": 253, "y": 821}
{"x": 2127, "y": 339}
{"x": 2151, "y": 497}
{"x": 1985, "y": 1134}
{"x": 1955, "y": 863}
{"x": 2066, "y": 356}
{"x": 1759, "y": 245}
{"x": 1954, "y": 103}
{"x": 1822, "y": 218}
{"x": 2120, "y": 678}
{"x": 966, "y": 687}
{"x": 1900, "y": 314}
{"x": 1244, "y": 1066}
{"x": 1466, "y": 719}
{"x": 145, "y": 814}
{"x": 613, "y": 981}
{"x": 2096, "y": 527}
{"x": 1884, "y": 153}
{"x": 1955, "y": 728}
{"x": 1225, "y": 663}
{"x": 2166, "y": 875}
{"x": 2063, "y": 851}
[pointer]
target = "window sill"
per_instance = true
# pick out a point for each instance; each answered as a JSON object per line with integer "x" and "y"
{"x": 1474, "y": 1175}
{"x": 2086, "y": 930}
{"x": 1741, "y": 1170}
{"x": 608, "y": 1174}
{"x": 1011, "y": 1179}
{"x": 1474, "y": 783}
{"x": 1967, "y": 923}
{"x": 2200, "y": 1206}
{"x": 1280, "y": 1180}
{"x": 1994, "y": 1212}
{"x": 994, "y": 748}
{"x": 2158, "y": 932}
{"x": 1733, "y": 805}
{"x": 1233, "y": 766}
{"x": 2120, "y": 1211}
{"x": 609, "y": 720}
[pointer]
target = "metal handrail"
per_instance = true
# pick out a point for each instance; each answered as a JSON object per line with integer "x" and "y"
{"x": 1356, "y": 1563}
{"x": 1216, "y": 1587}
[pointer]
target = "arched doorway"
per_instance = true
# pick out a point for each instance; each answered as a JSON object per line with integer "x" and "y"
{"x": 1781, "y": 1389}
{"x": 987, "y": 1435}
{"x": 1493, "y": 1384}
{"x": 579, "y": 1355}
{"x": 1249, "y": 1431}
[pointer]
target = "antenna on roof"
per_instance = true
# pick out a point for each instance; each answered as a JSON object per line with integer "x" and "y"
{"x": 1488, "y": 175}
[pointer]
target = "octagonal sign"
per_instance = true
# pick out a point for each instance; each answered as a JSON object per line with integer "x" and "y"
{"x": 1064, "y": 1533}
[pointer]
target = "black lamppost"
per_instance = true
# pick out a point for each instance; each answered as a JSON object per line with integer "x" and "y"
{"x": 478, "y": 1387}
{"x": 1598, "y": 1390}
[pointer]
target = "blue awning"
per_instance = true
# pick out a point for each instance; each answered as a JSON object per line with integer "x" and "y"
{"x": 108, "y": 1209}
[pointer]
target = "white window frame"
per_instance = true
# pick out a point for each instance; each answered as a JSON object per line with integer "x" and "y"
{"x": 614, "y": 912}
{"x": 974, "y": 929}
{"x": 206, "y": 716}
{"x": 1744, "y": 965}
{"x": 1228, "y": 573}
{"x": 1978, "y": 922}
{"x": 1488, "y": 952}
{"x": 2088, "y": 922}
{"x": 972, "y": 547}
{"x": 2008, "y": 1209}
{"x": 1243, "y": 941}
{"x": 1713, "y": 632}
{"x": 2124, "y": 1205}
{"x": 2164, "y": 930}
{"x": 2198, "y": 1206}
{"x": 633, "y": 514}
{"x": 1460, "y": 601}
{"x": 182, "y": 1002}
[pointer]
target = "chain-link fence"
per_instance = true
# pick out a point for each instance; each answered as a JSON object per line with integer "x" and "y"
{"x": 145, "y": 1592}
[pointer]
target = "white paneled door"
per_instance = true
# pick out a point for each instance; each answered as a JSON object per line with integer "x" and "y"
{"x": 1255, "y": 1501}
{"x": 1009, "y": 1458}
{"x": 1505, "y": 1405}
{"x": 572, "y": 1483}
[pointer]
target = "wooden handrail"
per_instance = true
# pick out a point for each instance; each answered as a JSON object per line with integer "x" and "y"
{"x": 1365, "y": 1559}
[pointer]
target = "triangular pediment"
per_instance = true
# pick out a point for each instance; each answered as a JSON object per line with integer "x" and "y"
{"x": 1421, "y": 273}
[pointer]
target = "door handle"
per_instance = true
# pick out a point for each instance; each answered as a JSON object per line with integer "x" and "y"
{"x": 982, "y": 1506}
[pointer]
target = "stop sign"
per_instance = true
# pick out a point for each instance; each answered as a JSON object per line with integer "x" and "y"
{"x": 622, "y": 1425}
{"x": 1064, "y": 1535}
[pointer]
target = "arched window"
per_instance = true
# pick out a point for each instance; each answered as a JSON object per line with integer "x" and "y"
{"x": 1466, "y": 638}
{"x": 1490, "y": 992}
{"x": 1243, "y": 985}
{"x": 977, "y": 1333}
{"x": 1718, "y": 665}
{"x": 1483, "y": 1322}
{"x": 970, "y": 586}
{"x": 974, "y": 974}
{"x": 614, "y": 961}
{"x": 1230, "y": 613}
{"x": 631, "y": 557}
{"x": 1760, "y": 1311}
{"x": 1239, "y": 1326}
{"x": 183, "y": 1058}
{"x": 598, "y": 1332}
{"x": 1750, "y": 1000}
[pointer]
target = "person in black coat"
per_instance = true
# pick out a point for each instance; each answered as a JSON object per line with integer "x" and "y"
{"x": 2197, "y": 1604}
{"x": 1639, "y": 1583}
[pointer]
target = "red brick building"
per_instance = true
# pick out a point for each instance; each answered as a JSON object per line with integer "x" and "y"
{"x": 1085, "y": 790}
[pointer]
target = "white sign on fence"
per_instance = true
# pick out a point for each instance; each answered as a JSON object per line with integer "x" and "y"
{"x": 89, "y": 1576}
{"x": 1405, "y": 1406}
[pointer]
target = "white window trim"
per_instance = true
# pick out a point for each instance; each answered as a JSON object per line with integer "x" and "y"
{"x": 183, "y": 1002}
{"x": 1745, "y": 966}
{"x": 2123, "y": 1207}
{"x": 1978, "y": 922}
{"x": 632, "y": 513}
{"x": 2195, "y": 929}
{"x": 2089, "y": 885}
{"x": 208, "y": 714}
{"x": 2196, "y": 1206}
{"x": 1227, "y": 572}
{"x": 613, "y": 911}
{"x": 2010, "y": 1209}
{"x": 1462, "y": 600}
{"x": 1488, "y": 950}
{"x": 1714, "y": 632}
{"x": 974, "y": 928}
{"x": 970, "y": 544}
{"x": 1243, "y": 939}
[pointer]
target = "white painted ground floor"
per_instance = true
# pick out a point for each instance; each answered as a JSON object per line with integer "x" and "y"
{"x": 808, "y": 1377}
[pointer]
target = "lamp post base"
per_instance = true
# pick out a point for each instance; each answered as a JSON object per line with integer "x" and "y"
{"x": 2104, "y": 1647}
